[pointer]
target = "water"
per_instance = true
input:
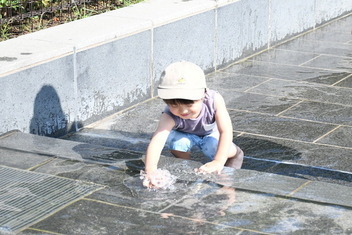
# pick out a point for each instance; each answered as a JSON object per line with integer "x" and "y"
{"x": 161, "y": 179}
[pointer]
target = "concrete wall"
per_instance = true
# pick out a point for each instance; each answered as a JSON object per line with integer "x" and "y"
{"x": 74, "y": 74}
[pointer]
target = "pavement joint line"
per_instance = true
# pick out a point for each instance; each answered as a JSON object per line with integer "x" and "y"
{"x": 343, "y": 79}
{"x": 299, "y": 164}
{"x": 41, "y": 164}
{"x": 326, "y": 134}
{"x": 315, "y": 121}
{"x": 299, "y": 188}
{"x": 57, "y": 176}
{"x": 310, "y": 60}
{"x": 291, "y": 107}
{"x": 172, "y": 215}
{"x": 292, "y": 65}
{"x": 7, "y": 134}
{"x": 325, "y": 69}
{"x": 287, "y": 117}
{"x": 44, "y": 231}
{"x": 253, "y": 87}
{"x": 298, "y": 98}
{"x": 293, "y": 140}
{"x": 290, "y": 80}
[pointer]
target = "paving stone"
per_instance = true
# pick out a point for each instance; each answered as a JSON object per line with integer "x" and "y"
{"x": 229, "y": 81}
{"x": 289, "y": 72}
{"x": 257, "y": 103}
{"x": 52, "y": 147}
{"x": 288, "y": 57}
{"x": 244, "y": 209}
{"x": 291, "y": 151}
{"x": 330, "y": 33}
{"x": 92, "y": 217}
{"x": 312, "y": 173}
{"x": 123, "y": 187}
{"x": 308, "y": 91}
{"x": 278, "y": 127}
{"x": 340, "y": 137}
{"x": 316, "y": 46}
{"x": 347, "y": 82}
{"x": 21, "y": 159}
{"x": 316, "y": 111}
{"x": 296, "y": 177}
{"x": 326, "y": 193}
{"x": 332, "y": 62}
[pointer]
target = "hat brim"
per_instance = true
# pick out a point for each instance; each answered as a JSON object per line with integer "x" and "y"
{"x": 191, "y": 94}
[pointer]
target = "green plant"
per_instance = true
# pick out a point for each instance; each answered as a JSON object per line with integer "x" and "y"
{"x": 4, "y": 31}
{"x": 81, "y": 12}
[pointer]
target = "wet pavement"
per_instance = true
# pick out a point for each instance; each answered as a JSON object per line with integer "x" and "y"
{"x": 291, "y": 108}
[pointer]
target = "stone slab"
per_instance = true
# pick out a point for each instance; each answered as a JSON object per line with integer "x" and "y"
{"x": 331, "y": 62}
{"x": 296, "y": 152}
{"x": 51, "y": 147}
{"x": 235, "y": 82}
{"x": 322, "y": 112}
{"x": 229, "y": 201}
{"x": 256, "y": 103}
{"x": 262, "y": 124}
{"x": 288, "y": 72}
{"x": 321, "y": 47}
{"x": 307, "y": 91}
{"x": 340, "y": 137}
{"x": 347, "y": 82}
{"x": 289, "y": 57}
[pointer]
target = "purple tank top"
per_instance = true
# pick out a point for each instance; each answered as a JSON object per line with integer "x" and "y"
{"x": 204, "y": 124}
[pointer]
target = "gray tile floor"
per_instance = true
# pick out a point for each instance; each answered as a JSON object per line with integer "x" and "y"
{"x": 291, "y": 108}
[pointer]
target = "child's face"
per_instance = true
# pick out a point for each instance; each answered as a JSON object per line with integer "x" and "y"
{"x": 187, "y": 111}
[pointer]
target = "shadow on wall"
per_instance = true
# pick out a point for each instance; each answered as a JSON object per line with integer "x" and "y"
{"x": 48, "y": 117}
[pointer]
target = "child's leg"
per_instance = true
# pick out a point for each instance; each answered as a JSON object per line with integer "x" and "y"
{"x": 179, "y": 154}
{"x": 180, "y": 144}
{"x": 235, "y": 159}
{"x": 209, "y": 147}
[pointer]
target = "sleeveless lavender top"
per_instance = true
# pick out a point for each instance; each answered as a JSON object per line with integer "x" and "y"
{"x": 204, "y": 124}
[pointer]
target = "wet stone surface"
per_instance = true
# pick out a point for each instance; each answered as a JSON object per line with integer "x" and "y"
{"x": 272, "y": 126}
{"x": 328, "y": 113}
{"x": 271, "y": 70}
{"x": 291, "y": 109}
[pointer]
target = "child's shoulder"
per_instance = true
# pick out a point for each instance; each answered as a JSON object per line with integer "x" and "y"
{"x": 212, "y": 94}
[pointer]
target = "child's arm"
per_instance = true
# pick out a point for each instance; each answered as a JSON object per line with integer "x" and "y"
{"x": 225, "y": 128}
{"x": 156, "y": 145}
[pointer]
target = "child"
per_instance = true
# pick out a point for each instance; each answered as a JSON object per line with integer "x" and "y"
{"x": 194, "y": 116}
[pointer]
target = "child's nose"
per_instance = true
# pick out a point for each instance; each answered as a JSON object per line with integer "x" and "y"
{"x": 183, "y": 110}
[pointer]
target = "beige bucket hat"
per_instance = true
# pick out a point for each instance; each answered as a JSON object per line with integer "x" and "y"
{"x": 182, "y": 80}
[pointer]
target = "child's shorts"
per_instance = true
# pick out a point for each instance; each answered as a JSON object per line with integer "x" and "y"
{"x": 184, "y": 142}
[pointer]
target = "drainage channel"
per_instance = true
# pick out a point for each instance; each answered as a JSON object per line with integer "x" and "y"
{"x": 26, "y": 197}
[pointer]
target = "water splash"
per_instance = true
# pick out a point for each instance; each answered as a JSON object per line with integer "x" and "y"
{"x": 162, "y": 179}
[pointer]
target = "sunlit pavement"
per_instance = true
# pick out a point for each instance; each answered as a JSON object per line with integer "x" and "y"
{"x": 291, "y": 108}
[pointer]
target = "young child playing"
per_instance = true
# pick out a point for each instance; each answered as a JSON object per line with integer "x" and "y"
{"x": 194, "y": 116}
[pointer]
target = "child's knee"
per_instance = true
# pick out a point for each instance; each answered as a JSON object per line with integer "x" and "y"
{"x": 209, "y": 147}
{"x": 181, "y": 144}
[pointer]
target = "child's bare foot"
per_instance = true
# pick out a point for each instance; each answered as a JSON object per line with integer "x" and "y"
{"x": 236, "y": 161}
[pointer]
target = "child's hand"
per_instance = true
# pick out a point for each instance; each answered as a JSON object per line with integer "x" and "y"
{"x": 210, "y": 167}
{"x": 158, "y": 179}
{"x": 152, "y": 180}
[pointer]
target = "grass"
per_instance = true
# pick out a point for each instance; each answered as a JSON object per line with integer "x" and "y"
{"x": 14, "y": 27}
